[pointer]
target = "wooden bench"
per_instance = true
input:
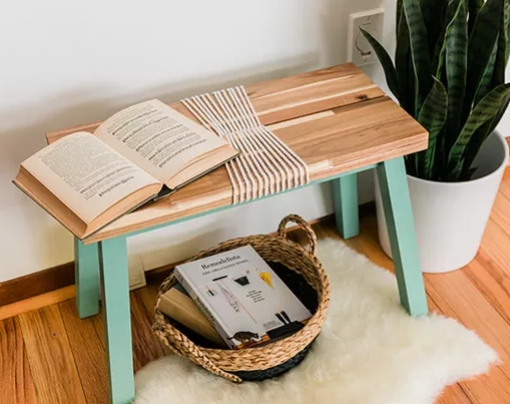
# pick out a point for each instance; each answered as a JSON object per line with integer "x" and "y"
{"x": 340, "y": 123}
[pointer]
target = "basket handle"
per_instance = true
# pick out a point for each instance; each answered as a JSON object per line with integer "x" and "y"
{"x": 302, "y": 224}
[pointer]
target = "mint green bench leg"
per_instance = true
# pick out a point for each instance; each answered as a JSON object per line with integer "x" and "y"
{"x": 117, "y": 319}
{"x": 399, "y": 218}
{"x": 86, "y": 270}
{"x": 345, "y": 197}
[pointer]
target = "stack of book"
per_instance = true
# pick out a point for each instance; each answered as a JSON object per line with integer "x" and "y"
{"x": 234, "y": 299}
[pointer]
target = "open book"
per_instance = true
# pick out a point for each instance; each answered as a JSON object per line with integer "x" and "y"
{"x": 141, "y": 153}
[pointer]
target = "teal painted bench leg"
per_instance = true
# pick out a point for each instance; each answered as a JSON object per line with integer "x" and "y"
{"x": 117, "y": 319}
{"x": 399, "y": 218}
{"x": 345, "y": 197}
{"x": 86, "y": 270}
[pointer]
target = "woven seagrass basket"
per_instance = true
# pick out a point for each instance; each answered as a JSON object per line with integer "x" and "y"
{"x": 302, "y": 272}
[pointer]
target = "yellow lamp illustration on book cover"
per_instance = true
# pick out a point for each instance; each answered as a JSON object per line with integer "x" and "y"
{"x": 266, "y": 277}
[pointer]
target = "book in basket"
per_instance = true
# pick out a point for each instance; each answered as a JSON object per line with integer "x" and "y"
{"x": 178, "y": 305}
{"x": 141, "y": 153}
{"x": 244, "y": 299}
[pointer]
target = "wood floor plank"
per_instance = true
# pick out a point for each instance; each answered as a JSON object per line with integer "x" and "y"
{"x": 504, "y": 188}
{"x": 494, "y": 283}
{"x": 491, "y": 388}
{"x": 453, "y": 394}
{"x": 54, "y": 371}
{"x": 16, "y": 383}
{"x": 467, "y": 391}
{"x": 149, "y": 295}
{"x": 369, "y": 243}
{"x": 502, "y": 207}
{"x": 460, "y": 299}
{"x": 146, "y": 347}
{"x": 496, "y": 244}
{"x": 25, "y": 384}
{"x": 86, "y": 339}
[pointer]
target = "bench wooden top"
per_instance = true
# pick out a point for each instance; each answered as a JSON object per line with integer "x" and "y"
{"x": 336, "y": 119}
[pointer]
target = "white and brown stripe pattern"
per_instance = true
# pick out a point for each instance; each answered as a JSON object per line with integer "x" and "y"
{"x": 265, "y": 165}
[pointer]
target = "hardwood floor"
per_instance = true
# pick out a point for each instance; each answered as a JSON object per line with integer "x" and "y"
{"x": 48, "y": 355}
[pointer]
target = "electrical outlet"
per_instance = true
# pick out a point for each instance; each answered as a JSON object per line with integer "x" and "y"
{"x": 359, "y": 50}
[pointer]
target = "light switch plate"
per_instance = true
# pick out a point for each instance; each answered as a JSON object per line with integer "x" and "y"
{"x": 359, "y": 50}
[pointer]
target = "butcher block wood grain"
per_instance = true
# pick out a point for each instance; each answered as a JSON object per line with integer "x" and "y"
{"x": 336, "y": 119}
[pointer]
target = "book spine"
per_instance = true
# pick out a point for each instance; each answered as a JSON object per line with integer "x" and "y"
{"x": 204, "y": 309}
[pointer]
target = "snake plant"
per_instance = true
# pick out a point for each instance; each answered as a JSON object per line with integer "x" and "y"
{"x": 449, "y": 74}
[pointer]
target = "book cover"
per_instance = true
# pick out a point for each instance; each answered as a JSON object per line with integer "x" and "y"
{"x": 247, "y": 303}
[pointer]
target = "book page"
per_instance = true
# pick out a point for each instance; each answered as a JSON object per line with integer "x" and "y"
{"x": 87, "y": 175}
{"x": 157, "y": 138}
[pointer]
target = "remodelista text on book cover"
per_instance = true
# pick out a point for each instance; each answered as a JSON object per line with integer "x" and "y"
{"x": 242, "y": 296}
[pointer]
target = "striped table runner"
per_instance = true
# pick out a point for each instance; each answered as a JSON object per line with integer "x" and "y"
{"x": 265, "y": 164}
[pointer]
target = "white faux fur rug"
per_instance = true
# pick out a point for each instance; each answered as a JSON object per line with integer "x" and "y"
{"x": 369, "y": 352}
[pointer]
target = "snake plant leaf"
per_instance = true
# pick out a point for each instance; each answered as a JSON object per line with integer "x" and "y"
{"x": 472, "y": 149}
{"x": 481, "y": 44}
{"x": 386, "y": 62}
{"x": 398, "y": 16}
{"x": 507, "y": 28}
{"x": 501, "y": 55}
{"x": 404, "y": 74}
{"x": 474, "y": 8}
{"x": 433, "y": 11}
{"x": 419, "y": 50}
{"x": 483, "y": 112}
{"x": 450, "y": 12}
{"x": 479, "y": 137}
{"x": 486, "y": 84}
{"x": 450, "y": 33}
{"x": 456, "y": 43}
{"x": 432, "y": 117}
{"x": 501, "y": 111}
{"x": 412, "y": 83}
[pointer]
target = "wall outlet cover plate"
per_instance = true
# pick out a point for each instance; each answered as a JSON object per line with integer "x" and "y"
{"x": 359, "y": 50}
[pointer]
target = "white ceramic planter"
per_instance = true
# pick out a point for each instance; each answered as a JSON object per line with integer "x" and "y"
{"x": 451, "y": 218}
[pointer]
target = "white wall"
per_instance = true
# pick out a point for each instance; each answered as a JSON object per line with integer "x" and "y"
{"x": 64, "y": 63}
